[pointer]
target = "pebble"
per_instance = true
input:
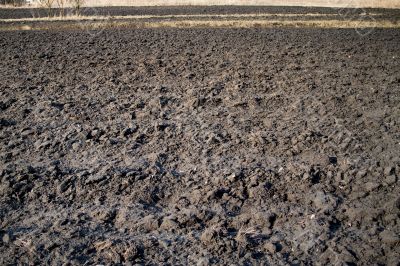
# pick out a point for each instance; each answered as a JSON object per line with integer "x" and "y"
{"x": 389, "y": 237}
{"x": 27, "y": 132}
{"x": 207, "y": 236}
{"x": 370, "y": 186}
{"x": 270, "y": 247}
{"x": 94, "y": 133}
{"x": 232, "y": 178}
{"x": 329, "y": 174}
{"x": 76, "y": 146}
{"x": 324, "y": 201}
{"x": 150, "y": 222}
{"x": 168, "y": 223}
{"x": 164, "y": 243}
{"x": 6, "y": 238}
{"x": 203, "y": 261}
{"x": 361, "y": 174}
{"x": 388, "y": 171}
{"x": 306, "y": 176}
{"x": 95, "y": 179}
{"x": 390, "y": 180}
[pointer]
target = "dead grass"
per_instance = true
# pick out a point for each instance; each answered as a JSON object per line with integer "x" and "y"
{"x": 316, "y": 3}
{"x": 322, "y": 3}
{"x": 244, "y": 233}
{"x": 271, "y": 23}
{"x": 109, "y": 24}
{"x": 55, "y": 18}
{"x": 137, "y": 17}
{"x": 133, "y": 17}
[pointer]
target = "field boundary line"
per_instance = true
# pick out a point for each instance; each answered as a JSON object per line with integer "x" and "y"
{"x": 66, "y": 18}
{"x": 347, "y": 24}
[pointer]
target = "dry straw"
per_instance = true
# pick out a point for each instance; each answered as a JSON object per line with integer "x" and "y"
{"x": 324, "y": 3}
{"x": 205, "y": 24}
{"x": 321, "y": 3}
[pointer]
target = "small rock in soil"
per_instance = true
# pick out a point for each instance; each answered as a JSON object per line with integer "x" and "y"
{"x": 371, "y": 186}
{"x": 390, "y": 180}
{"x": 6, "y": 238}
{"x": 389, "y": 237}
{"x": 388, "y": 171}
{"x": 270, "y": 247}
{"x": 169, "y": 223}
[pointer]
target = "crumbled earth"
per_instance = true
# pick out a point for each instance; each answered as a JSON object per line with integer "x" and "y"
{"x": 200, "y": 146}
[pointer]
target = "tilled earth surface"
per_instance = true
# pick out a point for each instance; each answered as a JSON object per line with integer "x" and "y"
{"x": 200, "y": 146}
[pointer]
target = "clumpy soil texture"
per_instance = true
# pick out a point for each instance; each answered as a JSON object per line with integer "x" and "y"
{"x": 200, "y": 146}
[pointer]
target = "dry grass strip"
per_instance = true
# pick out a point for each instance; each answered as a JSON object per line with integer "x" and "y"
{"x": 109, "y": 24}
{"x": 315, "y": 3}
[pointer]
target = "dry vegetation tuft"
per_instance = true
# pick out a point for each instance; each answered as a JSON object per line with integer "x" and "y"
{"x": 324, "y": 3}
{"x": 259, "y": 16}
{"x": 107, "y": 24}
{"x": 320, "y": 3}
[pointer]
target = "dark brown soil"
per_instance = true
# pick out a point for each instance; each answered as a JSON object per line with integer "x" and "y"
{"x": 200, "y": 146}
